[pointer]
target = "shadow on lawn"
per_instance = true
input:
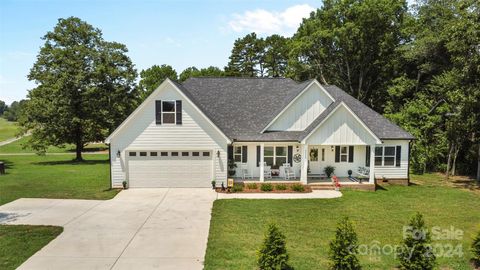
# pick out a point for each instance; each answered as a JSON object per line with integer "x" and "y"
{"x": 72, "y": 162}
{"x": 92, "y": 149}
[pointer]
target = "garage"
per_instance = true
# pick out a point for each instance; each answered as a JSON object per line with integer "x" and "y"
{"x": 170, "y": 168}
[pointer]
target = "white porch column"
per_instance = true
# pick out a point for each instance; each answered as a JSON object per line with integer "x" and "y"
{"x": 371, "y": 179}
{"x": 262, "y": 163}
{"x": 304, "y": 164}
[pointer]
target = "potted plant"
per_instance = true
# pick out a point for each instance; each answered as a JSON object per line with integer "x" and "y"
{"x": 349, "y": 173}
{"x": 329, "y": 170}
{"x": 214, "y": 184}
{"x": 231, "y": 167}
{"x": 124, "y": 184}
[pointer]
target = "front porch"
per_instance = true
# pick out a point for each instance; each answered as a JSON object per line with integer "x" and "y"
{"x": 269, "y": 162}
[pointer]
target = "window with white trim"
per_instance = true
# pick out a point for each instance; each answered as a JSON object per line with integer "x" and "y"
{"x": 275, "y": 155}
{"x": 168, "y": 112}
{"x": 344, "y": 154}
{"x": 237, "y": 153}
{"x": 385, "y": 155}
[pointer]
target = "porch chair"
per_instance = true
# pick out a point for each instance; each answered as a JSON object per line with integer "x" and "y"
{"x": 267, "y": 171}
{"x": 289, "y": 172}
{"x": 246, "y": 173}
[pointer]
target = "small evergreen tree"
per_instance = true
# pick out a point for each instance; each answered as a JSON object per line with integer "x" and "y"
{"x": 343, "y": 248}
{"x": 273, "y": 252}
{"x": 476, "y": 250}
{"x": 416, "y": 251}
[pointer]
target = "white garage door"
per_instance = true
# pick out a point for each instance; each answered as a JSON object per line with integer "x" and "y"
{"x": 170, "y": 168}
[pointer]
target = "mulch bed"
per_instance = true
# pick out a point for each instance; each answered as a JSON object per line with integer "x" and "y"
{"x": 307, "y": 189}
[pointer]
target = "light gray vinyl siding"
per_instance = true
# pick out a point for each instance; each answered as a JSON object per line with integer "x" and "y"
{"x": 143, "y": 134}
{"x": 393, "y": 172}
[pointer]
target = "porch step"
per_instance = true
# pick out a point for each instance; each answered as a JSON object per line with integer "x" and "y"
{"x": 322, "y": 187}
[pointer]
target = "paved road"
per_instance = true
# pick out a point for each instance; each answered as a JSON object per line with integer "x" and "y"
{"x": 138, "y": 229}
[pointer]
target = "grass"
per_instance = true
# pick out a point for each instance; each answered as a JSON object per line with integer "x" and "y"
{"x": 55, "y": 177}
{"x": 237, "y": 226}
{"x": 8, "y": 129}
{"x": 18, "y": 243}
{"x": 17, "y": 147}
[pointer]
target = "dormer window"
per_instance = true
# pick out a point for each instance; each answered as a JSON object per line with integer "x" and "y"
{"x": 168, "y": 112}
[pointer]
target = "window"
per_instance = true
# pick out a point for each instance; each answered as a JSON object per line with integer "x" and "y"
{"x": 153, "y": 154}
{"x": 206, "y": 154}
{"x": 196, "y": 154}
{"x": 385, "y": 155}
{"x": 185, "y": 154}
{"x": 168, "y": 112}
{"x": 174, "y": 154}
{"x": 237, "y": 154}
{"x": 323, "y": 154}
{"x": 280, "y": 155}
{"x": 132, "y": 154}
{"x": 143, "y": 154}
{"x": 275, "y": 155}
{"x": 164, "y": 154}
{"x": 343, "y": 154}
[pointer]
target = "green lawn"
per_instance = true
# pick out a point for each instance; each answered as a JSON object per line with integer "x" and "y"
{"x": 237, "y": 226}
{"x": 17, "y": 147}
{"x": 7, "y": 129}
{"x": 55, "y": 177}
{"x": 18, "y": 243}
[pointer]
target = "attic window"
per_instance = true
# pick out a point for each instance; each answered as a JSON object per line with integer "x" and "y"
{"x": 168, "y": 112}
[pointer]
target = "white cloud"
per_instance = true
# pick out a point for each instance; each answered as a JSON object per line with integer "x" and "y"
{"x": 263, "y": 21}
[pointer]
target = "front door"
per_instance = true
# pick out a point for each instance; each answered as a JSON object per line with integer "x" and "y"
{"x": 314, "y": 157}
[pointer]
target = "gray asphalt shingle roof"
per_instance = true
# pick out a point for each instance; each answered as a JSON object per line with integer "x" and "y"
{"x": 242, "y": 107}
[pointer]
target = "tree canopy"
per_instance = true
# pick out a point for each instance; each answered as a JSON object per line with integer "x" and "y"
{"x": 85, "y": 87}
{"x": 152, "y": 77}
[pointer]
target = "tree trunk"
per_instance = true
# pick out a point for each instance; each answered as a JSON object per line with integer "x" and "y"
{"x": 450, "y": 149}
{"x": 78, "y": 150}
{"x": 457, "y": 149}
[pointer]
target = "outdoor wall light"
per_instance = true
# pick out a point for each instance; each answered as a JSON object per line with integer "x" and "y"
{"x": 218, "y": 153}
{"x": 118, "y": 153}
{"x": 331, "y": 148}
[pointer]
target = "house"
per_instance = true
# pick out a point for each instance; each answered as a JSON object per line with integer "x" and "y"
{"x": 183, "y": 135}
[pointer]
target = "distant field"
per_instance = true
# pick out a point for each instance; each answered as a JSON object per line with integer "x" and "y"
{"x": 17, "y": 147}
{"x": 7, "y": 129}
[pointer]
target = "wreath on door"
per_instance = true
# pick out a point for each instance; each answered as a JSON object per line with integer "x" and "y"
{"x": 297, "y": 158}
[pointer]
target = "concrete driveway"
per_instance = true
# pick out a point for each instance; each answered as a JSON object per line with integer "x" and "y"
{"x": 138, "y": 229}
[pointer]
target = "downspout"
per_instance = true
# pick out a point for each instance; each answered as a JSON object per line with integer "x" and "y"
{"x": 110, "y": 164}
{"x": 408, "y": 161}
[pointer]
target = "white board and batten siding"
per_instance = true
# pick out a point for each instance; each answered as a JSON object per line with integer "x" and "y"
{"x": 142, "y": 133}
{"x": 341, "y": 128}
{"x": 303, "y": 111}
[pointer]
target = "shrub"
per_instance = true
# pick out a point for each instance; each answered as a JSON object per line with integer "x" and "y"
{"x": 266, "y": 187}
{"x": 344, "y": 247}
{"x": 273, "y": 252}
{"x": 237, "y": 188}
{"x": 476, "y": 250}
{"x": 329, "y": 170}
{"x": 416, "y": 250}
{"x": 281, "y": 187}
{"x": 252, "y": 186}
{"x": 297, "y": 187}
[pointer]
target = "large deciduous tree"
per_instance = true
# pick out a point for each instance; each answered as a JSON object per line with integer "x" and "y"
{"x": 436, "y": 95}
{"x": 246, "y": 59}
{"x": 85, "y": 87}
{"x": 350, "y": 44}
{"x": 152, "y": 77}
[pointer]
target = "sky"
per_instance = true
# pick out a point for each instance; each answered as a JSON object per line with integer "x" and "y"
{"x": 178, "y": 33}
